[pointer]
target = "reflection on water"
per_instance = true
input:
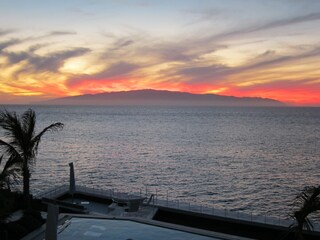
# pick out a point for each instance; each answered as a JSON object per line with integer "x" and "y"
{"x": 251, "y": 159}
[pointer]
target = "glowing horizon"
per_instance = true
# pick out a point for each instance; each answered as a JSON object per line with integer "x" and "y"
{"x": 234, "y": 48}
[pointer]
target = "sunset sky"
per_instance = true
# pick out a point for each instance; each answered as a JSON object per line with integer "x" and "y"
{"x": 253, "y": 48}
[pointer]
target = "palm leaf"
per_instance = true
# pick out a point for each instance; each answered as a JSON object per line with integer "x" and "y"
{"x": 53, "y": 127}
{"x": 10, "y": 150}
{"x": 22, "y": 145}
{"x": 308, "y": 202}
{"x": 10, "y": 172}
{"x": 28, "y": 123}
{"x": 12, "y": 128}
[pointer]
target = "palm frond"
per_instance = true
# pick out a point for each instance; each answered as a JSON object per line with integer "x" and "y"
{"x": 11, "y": 125}
{"x": 13, "y": 162}
{"x": 10, "y": 173}
{"x": 308, "y": 202}
{"x": 22, "y": 145}
{"x": 28, "y": 123}
{"x": 10, "y": 150}
{"x": 53, "y": 127}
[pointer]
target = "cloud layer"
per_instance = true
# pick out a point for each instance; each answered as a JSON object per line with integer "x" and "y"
{"x": 208, "y": 50}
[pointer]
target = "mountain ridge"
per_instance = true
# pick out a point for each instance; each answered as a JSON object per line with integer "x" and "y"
{"x": 160, "y": 97}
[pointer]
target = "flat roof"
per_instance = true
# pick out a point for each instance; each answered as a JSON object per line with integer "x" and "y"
{"x": 99, "y": 227}
{"x": 121, "y": 229}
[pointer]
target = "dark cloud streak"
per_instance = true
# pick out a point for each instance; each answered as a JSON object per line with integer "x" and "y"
{"x": 5, "y": 32}
{"x": 205, "y": 73}
{"x": 61, "y": 33}
{"x": 122, "y": 43}
{"x": 6, "y": 44}
{"x": 282, "y": 59}
{"x": 36, "y": 63}
{"x": 267, "y": 26}
{"x": 217, "y": 73}
{"x": 114, "y": 71}
{"x": 54, "y": 61}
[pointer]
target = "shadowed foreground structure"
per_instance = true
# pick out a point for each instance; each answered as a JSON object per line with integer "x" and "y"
{"x": 86, "y": 200}
{"x": 229, "y": 226}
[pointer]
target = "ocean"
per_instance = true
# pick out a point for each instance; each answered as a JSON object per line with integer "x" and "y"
{"x": 254, "y": 160}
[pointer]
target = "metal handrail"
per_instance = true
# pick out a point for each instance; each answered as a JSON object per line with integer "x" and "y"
{"x": 176, "y": 204}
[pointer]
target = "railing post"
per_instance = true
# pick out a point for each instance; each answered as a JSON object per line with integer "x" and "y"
{"x": 167, "y": 198}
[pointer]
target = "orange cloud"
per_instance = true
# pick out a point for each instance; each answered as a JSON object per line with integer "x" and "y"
{"x": 93, "y": 86}
{"x": 187, "y": 66}
{"x": 296, "y": 95}
{"x": 191, "y": 88}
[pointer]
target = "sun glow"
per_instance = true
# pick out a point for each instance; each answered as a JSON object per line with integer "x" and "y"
{"x": 218, "y": 90}
{"x": 81, "y": 65}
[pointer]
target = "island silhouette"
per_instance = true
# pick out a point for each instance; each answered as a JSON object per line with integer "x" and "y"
{"x": 150, "y": 97}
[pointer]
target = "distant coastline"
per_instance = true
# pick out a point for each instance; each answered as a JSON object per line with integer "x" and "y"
{"x": 150, "y": 97}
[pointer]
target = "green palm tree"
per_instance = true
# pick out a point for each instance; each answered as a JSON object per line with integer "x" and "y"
{"x": 22, "y": 141}
{"x": 308, "y": 202}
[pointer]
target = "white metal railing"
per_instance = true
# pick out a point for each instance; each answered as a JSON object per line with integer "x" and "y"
{"x": 175, "y": 204}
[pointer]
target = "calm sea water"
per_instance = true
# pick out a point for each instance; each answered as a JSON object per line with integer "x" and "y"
{"x": 249, "y": 159}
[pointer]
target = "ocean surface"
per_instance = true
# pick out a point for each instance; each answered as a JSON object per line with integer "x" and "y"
{"x": 246, "y": 159}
